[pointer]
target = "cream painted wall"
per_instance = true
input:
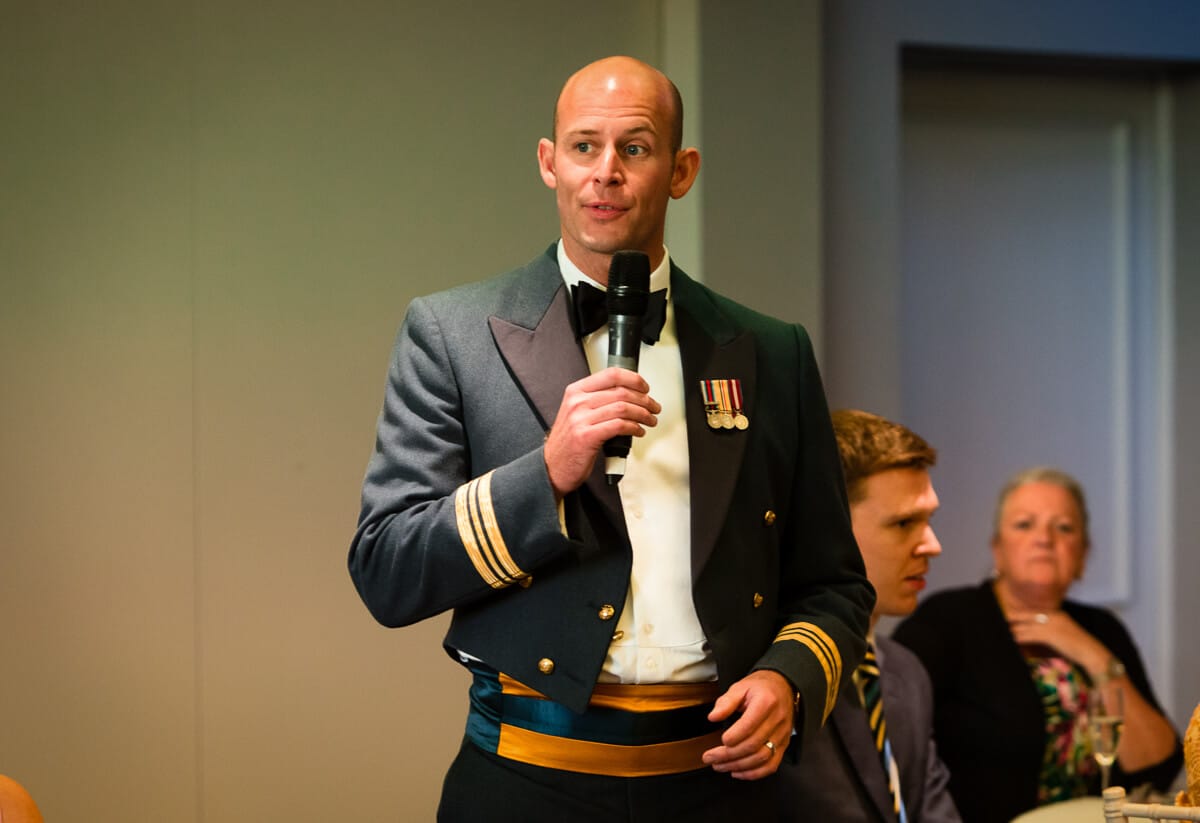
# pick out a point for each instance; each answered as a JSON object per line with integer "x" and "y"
{"x": 98, "y": 662}
{"x": 762, "y": 190}
{"x": 212, "y": 215}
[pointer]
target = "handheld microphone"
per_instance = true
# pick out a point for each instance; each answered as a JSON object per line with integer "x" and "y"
{"x": 627, "y": 298}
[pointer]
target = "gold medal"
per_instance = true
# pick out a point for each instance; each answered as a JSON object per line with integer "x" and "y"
{"x": 740, "y": 422}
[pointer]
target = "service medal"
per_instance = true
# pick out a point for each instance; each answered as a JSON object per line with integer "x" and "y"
{"x": 723, "y": 404}
{"x": 740, "y": 420}
{"x": 709, "y": 392}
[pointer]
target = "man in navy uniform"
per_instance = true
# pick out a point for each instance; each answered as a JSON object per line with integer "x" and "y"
{"x": 643, "y": 649}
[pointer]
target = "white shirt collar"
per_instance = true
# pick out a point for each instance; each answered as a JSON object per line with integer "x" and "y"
{"x": 660, "y": 278}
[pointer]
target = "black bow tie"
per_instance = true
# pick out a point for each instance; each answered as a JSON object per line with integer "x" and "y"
{"x": 591, "y": 311}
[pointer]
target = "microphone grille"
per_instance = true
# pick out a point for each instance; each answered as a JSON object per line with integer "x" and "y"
{"x": 628, "y": 283}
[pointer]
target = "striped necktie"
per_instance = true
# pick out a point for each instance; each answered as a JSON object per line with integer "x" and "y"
{"x": 866, "y": 678}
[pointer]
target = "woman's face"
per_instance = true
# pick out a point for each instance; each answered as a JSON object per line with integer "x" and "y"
{"x": 1040, "y": 543}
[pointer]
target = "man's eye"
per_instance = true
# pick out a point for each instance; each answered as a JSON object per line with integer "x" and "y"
{"x": 583, "y": 148}
{"x": 634, "y": 151}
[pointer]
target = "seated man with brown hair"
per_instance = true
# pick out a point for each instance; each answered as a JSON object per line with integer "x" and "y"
{"x": 875, "y": 758}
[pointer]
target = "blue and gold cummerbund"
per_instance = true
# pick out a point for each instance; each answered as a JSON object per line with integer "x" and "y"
{"x": 627, "y": 731}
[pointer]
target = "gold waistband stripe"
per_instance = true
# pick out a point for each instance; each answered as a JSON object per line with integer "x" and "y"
{"x": 604, "y": 758}
{"x": 657, "y": 697}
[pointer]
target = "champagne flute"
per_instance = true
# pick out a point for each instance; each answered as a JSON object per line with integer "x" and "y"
{"x": 1105, "y": 713}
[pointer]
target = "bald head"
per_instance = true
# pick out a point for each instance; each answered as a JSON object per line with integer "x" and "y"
{"x": 609, "y": 75}
{"x": 615, "y": 162}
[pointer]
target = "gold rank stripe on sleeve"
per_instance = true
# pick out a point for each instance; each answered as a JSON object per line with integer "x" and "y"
{"x": 480, "y": 534}
{"x": 826, "y": 652}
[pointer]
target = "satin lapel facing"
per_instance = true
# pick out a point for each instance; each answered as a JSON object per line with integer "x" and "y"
{"x": 544, "y": 360}
{"x": 709, "y": 350}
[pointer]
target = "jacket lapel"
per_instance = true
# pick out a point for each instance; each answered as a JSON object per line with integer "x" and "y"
{"x": 710, "y": 347}
{"x": 896, "y": 698}
{"x": 849, "y": 722}
{"x": 538, "y": 344}
{"x": 537, "y": 341}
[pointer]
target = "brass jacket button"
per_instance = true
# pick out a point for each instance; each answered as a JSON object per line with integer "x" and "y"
{"x": 758, "y": 600}
{"x": 546, "y": 665}
{"x": 607, "y": 612}
{"x": 618, "y": 634}
{"x": 769, "y": 517}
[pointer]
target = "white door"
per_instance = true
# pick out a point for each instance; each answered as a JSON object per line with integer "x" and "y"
{"x": 1034, "y": 300}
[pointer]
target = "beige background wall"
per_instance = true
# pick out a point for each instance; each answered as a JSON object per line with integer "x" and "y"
{"x": 212, "y": 215}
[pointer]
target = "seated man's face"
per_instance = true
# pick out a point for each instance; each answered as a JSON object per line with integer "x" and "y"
{"x": 892, "y": 525}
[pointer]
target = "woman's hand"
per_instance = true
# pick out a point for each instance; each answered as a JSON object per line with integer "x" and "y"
{"x": 1146, "y": 737}
{"x": 1059, "y": 631}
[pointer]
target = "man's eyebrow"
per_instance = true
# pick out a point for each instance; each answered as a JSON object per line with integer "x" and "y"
{"x": 590, "y": 132}
{"x": 917, "y": 511}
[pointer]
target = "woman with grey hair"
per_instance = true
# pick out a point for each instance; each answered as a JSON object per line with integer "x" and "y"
{"x": 1014, "y": 664}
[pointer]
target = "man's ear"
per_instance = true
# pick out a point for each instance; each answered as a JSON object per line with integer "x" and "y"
{"x": 687, "y": 166}
{"x": 545, "y": 156}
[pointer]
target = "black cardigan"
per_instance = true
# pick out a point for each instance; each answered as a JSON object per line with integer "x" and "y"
{"x": 988, "y": 719}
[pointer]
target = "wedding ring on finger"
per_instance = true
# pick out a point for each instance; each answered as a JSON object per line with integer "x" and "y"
{"x": 770, "y": 747}
{"x": 1041, "y": 618}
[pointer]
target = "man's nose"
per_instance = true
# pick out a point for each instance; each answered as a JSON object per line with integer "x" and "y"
{"x": 609, "y": 168}
{"x": 930, "y": 545}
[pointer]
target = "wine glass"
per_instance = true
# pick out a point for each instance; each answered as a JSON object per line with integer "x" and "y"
{"x": 1105, "y": 714}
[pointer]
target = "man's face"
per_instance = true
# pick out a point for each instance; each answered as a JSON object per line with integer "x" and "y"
{"x": 893, "y": 529}
{"x": 612, "y": 165}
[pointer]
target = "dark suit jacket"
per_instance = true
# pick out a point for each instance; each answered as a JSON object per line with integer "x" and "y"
{"x": 989, "y": 721}
{"x": 457, "y": 505}
{"x": 839, "y": 776}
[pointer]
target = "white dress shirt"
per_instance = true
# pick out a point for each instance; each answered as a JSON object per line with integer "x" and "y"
{"x": 658, "y": 638}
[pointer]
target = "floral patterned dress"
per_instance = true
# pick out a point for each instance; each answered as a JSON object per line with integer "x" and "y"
{"x": 1068, "y": 769}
